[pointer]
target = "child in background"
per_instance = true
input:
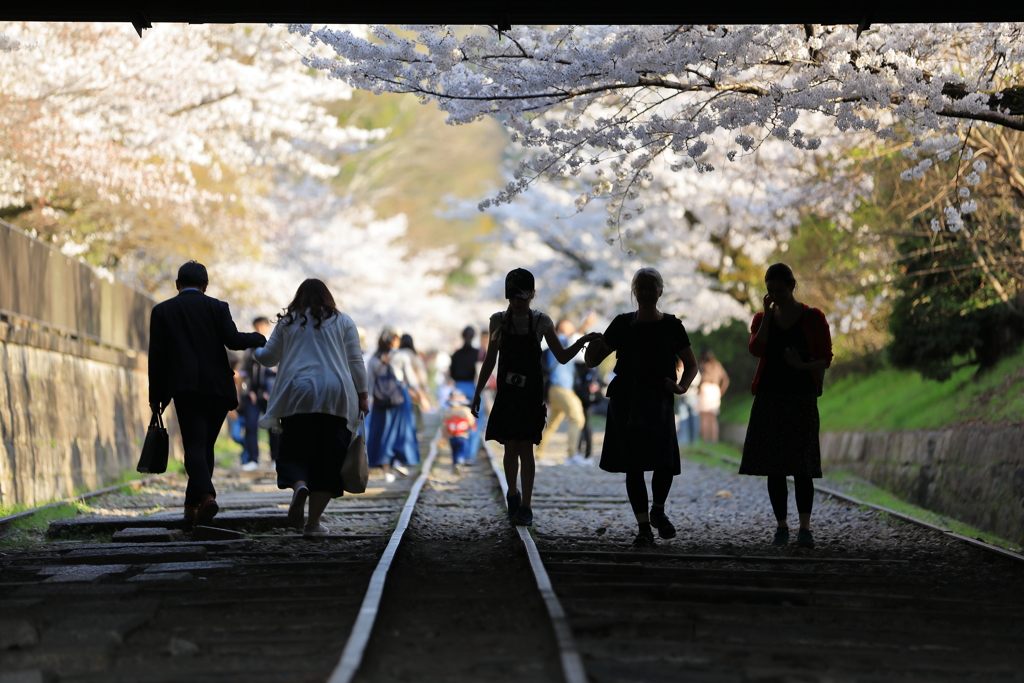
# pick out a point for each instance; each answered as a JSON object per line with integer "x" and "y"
{"x": 458, "y": 423}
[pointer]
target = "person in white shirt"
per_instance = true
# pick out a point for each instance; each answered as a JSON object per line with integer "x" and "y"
{"x": 318, "y": 398}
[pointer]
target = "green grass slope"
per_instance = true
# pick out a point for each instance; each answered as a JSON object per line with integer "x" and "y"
{"x": 891, "y": 400}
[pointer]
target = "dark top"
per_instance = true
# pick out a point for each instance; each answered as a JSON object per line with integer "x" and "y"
{"x": 518, "y": 413}
{"x": 646, "y": 352}
{"x": 463, "y": 367}
{"x": 187, "y": 336}
{"x": 779, "y": 377}
{"x": 640, "y": 434}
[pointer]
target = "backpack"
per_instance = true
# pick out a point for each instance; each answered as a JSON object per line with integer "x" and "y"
{"x": 387, "y": 390}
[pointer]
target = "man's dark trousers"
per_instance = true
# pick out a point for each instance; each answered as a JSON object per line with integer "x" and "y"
{"x": 200, "y": 417}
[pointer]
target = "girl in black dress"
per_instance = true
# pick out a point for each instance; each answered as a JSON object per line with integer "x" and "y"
{"x": 640, "y": 435}
{"x": 517, "y": 417}
{"x": 793, "y": 342}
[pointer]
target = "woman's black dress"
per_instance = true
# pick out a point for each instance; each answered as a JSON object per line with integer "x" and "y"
{"x": 782, "y": 435}
{"x": 518, "y": 413}
{"x": 641, "y": 430}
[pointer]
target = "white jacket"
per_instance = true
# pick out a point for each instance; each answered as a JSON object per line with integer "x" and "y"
{"x": 319, "y": 371}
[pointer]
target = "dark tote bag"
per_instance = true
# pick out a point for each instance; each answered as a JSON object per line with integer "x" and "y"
{"x": 154, "y": 452}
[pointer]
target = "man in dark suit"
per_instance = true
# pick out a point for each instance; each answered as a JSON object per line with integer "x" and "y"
{"x": 188, "y": 362}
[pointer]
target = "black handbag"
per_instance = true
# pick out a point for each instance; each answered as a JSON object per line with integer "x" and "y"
{"x": 154, "y": 451}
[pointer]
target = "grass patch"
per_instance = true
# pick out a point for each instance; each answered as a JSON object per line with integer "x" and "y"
{"x": 895, "y": 400}
{"x": 848, "y": 483}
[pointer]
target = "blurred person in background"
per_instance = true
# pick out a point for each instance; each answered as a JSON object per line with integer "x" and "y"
{"x": 258, "y": 381}
{"x": 421, "y": 398}
{"x": 714, "y": 382}
{"x": 459, "y": 423}
{"x": 391, "y": 427}
{"x": 462, "y": 371}
{"x": 563, "y": 403}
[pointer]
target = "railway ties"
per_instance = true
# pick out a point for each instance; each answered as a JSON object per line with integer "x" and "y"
{"x": 462, "y": 596}
{"x": 878, "y": 600}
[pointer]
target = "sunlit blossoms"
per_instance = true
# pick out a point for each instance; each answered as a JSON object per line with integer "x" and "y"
{"x": 623, "y": 96}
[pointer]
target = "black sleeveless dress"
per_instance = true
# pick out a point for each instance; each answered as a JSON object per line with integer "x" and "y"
{"x": 518, "y": 413}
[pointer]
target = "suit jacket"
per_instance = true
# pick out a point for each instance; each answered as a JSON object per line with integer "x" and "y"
{"x": 187, "y": 336}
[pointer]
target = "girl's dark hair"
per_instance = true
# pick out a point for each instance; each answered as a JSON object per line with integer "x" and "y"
{"x": 781, "y": 272}
{"x": 313, "y": 297}
{"x": 385, "y": 342}
{"x": 406, "y": 343}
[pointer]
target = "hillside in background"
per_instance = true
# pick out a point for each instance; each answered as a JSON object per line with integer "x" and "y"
{"x": 420, "y": 165}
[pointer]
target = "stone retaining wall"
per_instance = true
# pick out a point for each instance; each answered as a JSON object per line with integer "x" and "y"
{"x": 72, "y": 415}
{"x": 972, "y": 473}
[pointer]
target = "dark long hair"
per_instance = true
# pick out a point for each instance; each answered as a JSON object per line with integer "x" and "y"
{"x": 314, "y": 297}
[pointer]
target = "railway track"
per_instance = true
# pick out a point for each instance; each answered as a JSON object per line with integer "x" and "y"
{"x": 752, "y": 614}
{"x": 387, "y": 598}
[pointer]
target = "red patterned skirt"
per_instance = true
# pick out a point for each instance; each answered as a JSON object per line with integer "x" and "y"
{"x": 782, "y": 436}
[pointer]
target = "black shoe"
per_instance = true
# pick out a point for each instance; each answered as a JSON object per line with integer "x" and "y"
{"x": 523, "y": 516}
{"x": 804, "y": 539}
{"x": 644, "y": 538}
{"x": 660, "y": 522}
{"x": 781, "y": 536}
{"x": 514, "y": 501}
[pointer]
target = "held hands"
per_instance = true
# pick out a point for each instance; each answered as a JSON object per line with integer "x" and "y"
{"x": 591, "y": 336}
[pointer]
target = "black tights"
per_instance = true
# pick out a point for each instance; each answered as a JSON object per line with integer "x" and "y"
{"x": 778, "y": 492}
{"x": 636, "y": 489}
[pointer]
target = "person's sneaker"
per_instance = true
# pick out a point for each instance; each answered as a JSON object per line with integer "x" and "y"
{"x": 457, "y": 470}
{"x": 644, "y": 539}
{"x": 781, "y": 537}
{"x": 317, "y": 531}
{"x": 660, "y": 522}
{"x": 514, "y": 500}
{"x": 401, "y": 469}
{"x": 523, "y": 516}
{"x": 585, "y": 461}
{"x": 250, "y": 466}
{"x": 804, "y": 539}
{"x": 389, "y": 477}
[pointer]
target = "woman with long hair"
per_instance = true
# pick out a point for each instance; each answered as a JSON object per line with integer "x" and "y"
{"x": 640, "y": 434}
{"x": 517, "y": 417}
{"x": 794, "y": 346}
{"x": 318, "y": 397}
{"x": 391, "y": 428}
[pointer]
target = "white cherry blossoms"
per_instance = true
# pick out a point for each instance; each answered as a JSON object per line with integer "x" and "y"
{"x": 621, "y": 97}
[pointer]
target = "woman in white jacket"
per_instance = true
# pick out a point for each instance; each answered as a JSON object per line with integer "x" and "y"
{"x": 318, "y": 396}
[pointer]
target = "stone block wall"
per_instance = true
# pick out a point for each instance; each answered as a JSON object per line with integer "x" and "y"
{"x": 972, "y": 473}
{"x": 73, "y": 415}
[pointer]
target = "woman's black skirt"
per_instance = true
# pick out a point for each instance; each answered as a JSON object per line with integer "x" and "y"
{"x": 313, "y": 449}
{"x": 782, "y": 437}
{"x": 641, "y": 437}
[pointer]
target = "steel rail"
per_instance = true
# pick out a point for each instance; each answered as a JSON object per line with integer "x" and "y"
{"x": 359, "y": 637}
{"x": 4, "y": 521}
{"x": 978, "y": 543}
{"x": 572, "y": 663}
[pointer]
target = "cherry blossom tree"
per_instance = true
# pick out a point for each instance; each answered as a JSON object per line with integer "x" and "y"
{"x": 623, "y": 97}
{"x": 129, "y": 152}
